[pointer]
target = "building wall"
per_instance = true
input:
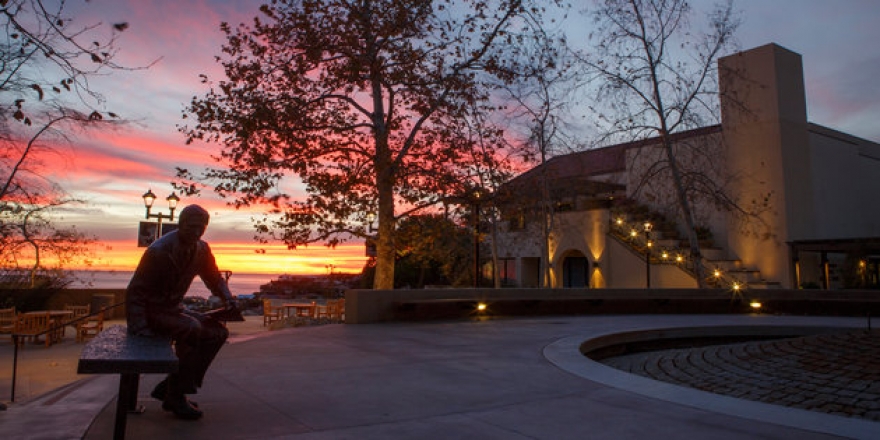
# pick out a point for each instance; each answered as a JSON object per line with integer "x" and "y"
{"x": 652, "y": 185}
{"x": 524, "y": 245}
{"x": 847, "y": 190}
{"x": 765, "y": 131}
{"x": 817, "y": 183}
{"x": 797, "y": 181}
{"x": 623, "y": 268}
{"x": 579, "y": 232}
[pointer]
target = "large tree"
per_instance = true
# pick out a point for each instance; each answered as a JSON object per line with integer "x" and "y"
{"x": 660, "y": 79}
{"x": 366, "y": 102}
{"x": 46, "y": 62}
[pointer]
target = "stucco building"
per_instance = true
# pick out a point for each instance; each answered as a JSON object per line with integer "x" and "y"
{"x": 779, "y": 201}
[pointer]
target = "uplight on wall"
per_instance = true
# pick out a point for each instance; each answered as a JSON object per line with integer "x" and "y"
{"x": 755, "y": 304}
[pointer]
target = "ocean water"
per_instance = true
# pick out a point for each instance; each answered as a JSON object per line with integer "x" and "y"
{"x": 239, "y": 283}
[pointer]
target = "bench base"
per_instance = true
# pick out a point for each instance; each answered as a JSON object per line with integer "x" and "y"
{"x": 114, "y": 351}
{"x": 126, "y": 401}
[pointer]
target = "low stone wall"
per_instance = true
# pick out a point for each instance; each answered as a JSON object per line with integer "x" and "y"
{"x": 369, "y": 306}
{"x": 638, "y": 341}
{"x": 97, "y": 298}
{"x": 28, "y": 300}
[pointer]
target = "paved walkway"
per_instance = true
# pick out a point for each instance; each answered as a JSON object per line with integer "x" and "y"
{"x": 41, "y": 370}
{"x": 497, "y": 379}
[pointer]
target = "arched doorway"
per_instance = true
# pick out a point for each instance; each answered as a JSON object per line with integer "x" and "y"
{"x": 575, "y": 270}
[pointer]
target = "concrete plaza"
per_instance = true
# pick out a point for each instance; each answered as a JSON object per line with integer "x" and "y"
{"x": 518, "y": 378}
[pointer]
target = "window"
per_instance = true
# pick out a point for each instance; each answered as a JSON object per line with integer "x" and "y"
{"x": 564, "y": 206}
{"x": 507, "y": 271}
{"x": 517, "y": 222}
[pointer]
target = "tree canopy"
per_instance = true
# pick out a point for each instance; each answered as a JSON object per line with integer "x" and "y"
{"x": 374, "y": 105}
{"x": 431, "y": 250}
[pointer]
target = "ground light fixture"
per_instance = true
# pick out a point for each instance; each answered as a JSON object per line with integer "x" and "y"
{"x": 481, "y": 307}
{"x": 755, "y": 305}
{"x": 736, "y": 288}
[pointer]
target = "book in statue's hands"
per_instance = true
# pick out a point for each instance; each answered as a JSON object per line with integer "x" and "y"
{"x": 225, "y": 314}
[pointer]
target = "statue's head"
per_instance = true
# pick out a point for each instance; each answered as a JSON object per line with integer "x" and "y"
{"x": 192, "y": 224}
{"x": 194, "y": 211}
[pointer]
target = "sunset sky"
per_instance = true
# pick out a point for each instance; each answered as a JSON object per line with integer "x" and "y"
{"x": 837, "y": 39}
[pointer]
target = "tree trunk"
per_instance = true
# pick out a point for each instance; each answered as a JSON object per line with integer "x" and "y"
{"x": 496, "y": 272}
{"x": 385, "y": 240}
{"x": 687, "y": 212}
{"x": 546, "y": 217}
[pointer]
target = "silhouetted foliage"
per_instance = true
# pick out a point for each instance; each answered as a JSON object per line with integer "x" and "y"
{"x": 46, "y": 61}
{"x": 432, "y": 251}
{"x": 374, "y": 106}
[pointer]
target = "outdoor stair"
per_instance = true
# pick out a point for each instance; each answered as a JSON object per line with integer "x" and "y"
{"x": 714, "y": 254}
{"x": 725, "y": 265}
{"x": 666, "y": 243}
{"x": 667, "y": 239}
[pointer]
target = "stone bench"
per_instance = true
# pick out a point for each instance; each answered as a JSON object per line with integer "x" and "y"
{"x": 114, "y": 351}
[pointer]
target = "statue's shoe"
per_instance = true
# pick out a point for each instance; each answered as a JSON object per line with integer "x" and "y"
{"x": 182, "y": 409}
{"x": 161, "y": 389}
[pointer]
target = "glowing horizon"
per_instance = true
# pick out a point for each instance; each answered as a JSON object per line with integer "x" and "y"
{"x": 245, "y": 258}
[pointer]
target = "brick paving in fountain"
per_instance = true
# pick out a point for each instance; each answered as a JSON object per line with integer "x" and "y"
{"x": 832, "y": 373}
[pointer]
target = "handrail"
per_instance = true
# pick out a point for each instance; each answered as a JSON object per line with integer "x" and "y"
{"x": 15, "y": 337}
{"x": 621, "y": 230}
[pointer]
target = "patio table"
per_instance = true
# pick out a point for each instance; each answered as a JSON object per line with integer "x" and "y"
{"x": 306, "y": 310}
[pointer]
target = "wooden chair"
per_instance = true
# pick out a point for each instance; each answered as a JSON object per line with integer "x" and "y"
{"x": 28, "y": 326}
{"x": 271, "y": 313}
{"x": 7, "y": 320}
{"x": 78, "y": 312}
{"x": 340, "y": 310}
{"x": 90, "y": 327}
{"x": 333, "y": 310}
{"x": 324, "y": 311}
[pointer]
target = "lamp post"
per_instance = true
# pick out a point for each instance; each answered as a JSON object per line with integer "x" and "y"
{"x": 476, "y": 198}
{"x": 370, "y": 239}
{"x": 149, "y": 198}
{"x": 371, "y": 217}
{"x": 648, "y": 227}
